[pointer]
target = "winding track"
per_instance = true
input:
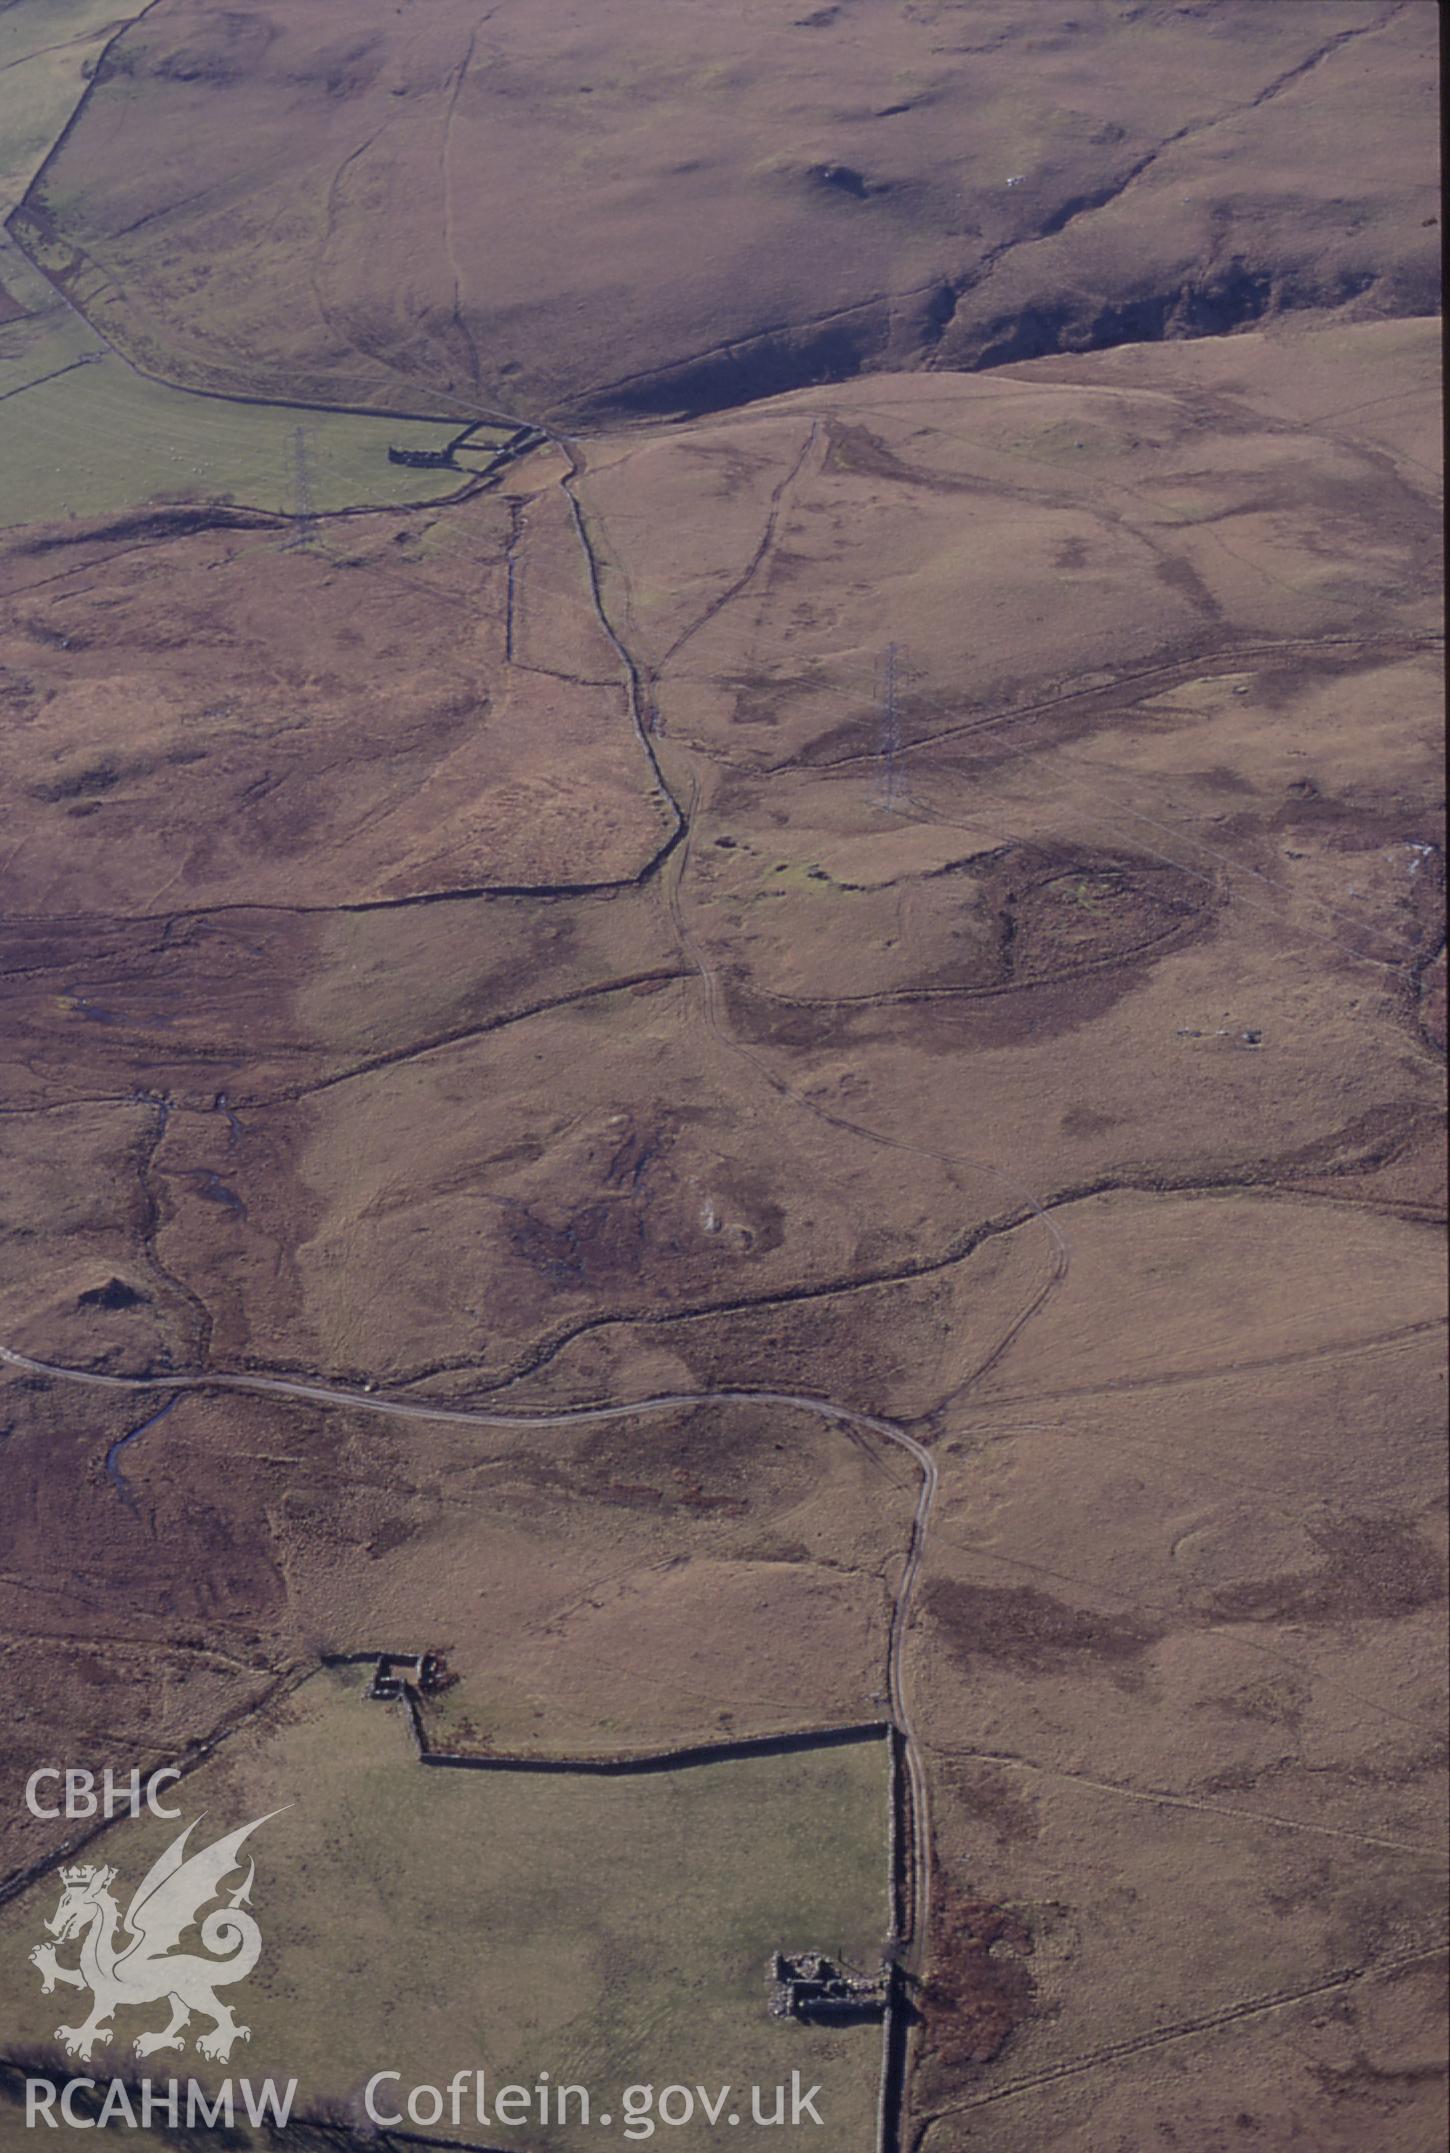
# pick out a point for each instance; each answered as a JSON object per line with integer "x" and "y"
{"x": 915, "y": 1942}
{"x": 638, "y": 683}
{"x": 578, "y": 1416}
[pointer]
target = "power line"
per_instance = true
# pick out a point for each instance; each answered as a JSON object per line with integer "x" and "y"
{"x": 890, "y": 786}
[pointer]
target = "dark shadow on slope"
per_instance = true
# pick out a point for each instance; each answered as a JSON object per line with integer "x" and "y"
{"x": 744, "y": 373}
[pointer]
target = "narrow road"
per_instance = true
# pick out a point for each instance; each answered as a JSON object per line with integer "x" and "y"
{"x": 361, "y": 1401}
{"x": 636, "y": 685}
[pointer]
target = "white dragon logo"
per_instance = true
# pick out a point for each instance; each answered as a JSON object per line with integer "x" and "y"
{"x": 144, "y": 1967}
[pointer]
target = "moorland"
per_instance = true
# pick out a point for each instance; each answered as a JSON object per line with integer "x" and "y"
{"x": 764, "y": 1062}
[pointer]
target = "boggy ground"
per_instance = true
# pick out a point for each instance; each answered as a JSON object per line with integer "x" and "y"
{"x": 997, "y": 992}
{"x": 964, "y": 942}
{"x": 626, "y": 209}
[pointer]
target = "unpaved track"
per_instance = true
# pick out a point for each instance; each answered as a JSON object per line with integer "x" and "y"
{"x": 915, "y": 1943}
{"x": 317, "y": 1393}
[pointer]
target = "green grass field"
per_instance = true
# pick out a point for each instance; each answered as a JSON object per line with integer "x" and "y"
{"x": 47, "y": 48}
{"x": 81, "y": 434}
{"x": 610, "y": 1932}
